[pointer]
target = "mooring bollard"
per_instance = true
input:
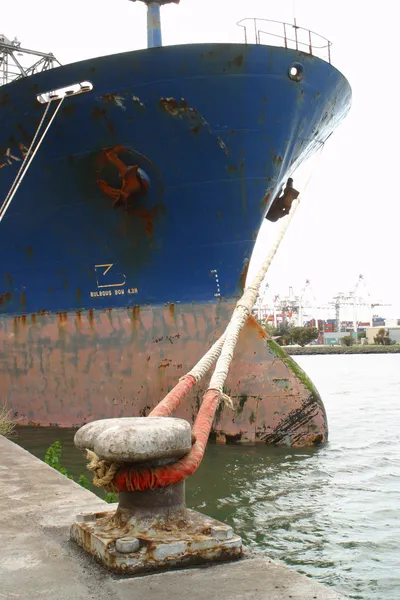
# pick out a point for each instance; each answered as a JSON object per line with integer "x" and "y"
{"x": 153, "y": 529}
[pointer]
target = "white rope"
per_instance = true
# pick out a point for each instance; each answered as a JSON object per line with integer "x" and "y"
{"x": 246, "y": 303}
{"x": 243, "y": 310}
{"x": 26, "y": 156}
{"x": 17, "y": 182}
{"x": 205, "y": 363}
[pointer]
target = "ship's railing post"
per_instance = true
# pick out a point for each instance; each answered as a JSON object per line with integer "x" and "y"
{"x": 295, "y": 34}
{"x": 284, "y": 35}
{"x": 303, "y": 40}
{"x": 240, "y": 24}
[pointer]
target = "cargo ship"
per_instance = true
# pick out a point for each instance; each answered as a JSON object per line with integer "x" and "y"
{"x": 133, "y": 187}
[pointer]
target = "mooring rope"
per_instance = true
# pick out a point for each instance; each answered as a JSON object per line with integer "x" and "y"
{"x": 124, "y": 478}
{"x": 103, "y": 472}
{"x": 27, "y": 161}
{"x": 170, "y": 403}
{"x": 243, "y": 310}
{"x": 141, "y": 478}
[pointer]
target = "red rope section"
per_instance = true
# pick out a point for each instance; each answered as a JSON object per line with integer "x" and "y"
{"x": 170, "y": 403}
{"x": 129, "y": 479}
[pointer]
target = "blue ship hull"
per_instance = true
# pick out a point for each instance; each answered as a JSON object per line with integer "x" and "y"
{"x": 217, "y": 129}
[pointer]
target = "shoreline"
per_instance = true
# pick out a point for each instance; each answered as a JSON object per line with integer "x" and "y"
{"x": 322, "y": 350}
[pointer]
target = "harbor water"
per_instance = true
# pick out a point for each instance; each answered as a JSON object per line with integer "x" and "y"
{"x": 329, "y": 512}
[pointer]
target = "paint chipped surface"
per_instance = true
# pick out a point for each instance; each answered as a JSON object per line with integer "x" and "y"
{"x": 137, "y": 100}
{"x": 70, "y": 350}
{"x": 181, "y": 109}
{"x": 122, "y": 362}
{"x": 116, "y": 99}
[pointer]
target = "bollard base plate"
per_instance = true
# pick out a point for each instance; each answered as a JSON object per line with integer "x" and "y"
{"x": 177, "y": 539}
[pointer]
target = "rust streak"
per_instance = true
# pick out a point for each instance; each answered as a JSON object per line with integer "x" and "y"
{"x": 237, "y": 61}
{"x": 5, "y": 297}
{"x": 62, "y": 318}
{"x": 243, "y": 274}
{"x": 99, "y": 112}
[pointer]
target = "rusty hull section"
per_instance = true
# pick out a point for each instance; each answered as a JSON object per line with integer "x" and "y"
{"x": 71, "y": 368}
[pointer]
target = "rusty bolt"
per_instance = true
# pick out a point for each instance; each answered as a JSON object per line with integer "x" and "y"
{"x": 127, "y": 545}
{"x": 222, "y": 532}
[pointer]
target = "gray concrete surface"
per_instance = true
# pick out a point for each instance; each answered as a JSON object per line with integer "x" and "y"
{"x": 37, "y": 559}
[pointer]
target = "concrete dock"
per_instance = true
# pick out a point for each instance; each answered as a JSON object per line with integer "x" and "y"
{"x": 38, "y": 560}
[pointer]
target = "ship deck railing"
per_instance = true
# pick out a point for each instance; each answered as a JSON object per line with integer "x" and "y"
{"x": 288, "y": 35}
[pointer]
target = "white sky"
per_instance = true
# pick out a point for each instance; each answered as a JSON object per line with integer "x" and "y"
{"x": 348, "y": 222}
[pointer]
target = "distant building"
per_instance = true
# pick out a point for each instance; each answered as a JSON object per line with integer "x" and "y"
{"x": 393, "y": 332}
{"x": 333, "y": 338}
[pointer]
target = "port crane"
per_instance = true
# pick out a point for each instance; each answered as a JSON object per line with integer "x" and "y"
{"x": 287, "y": 306}
{"x": 17, "y": 62}
{"x": 293, "y": 305}
{"x": 355, "y": 300}
{"x": 261, "y": 304}
{"x": 307, "y": 289}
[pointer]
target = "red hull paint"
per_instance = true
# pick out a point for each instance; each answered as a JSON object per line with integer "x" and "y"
{"x": 68, "y": 369}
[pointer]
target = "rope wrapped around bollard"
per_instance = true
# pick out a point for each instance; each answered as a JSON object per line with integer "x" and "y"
{"x": 139, "y": 479}
{"x": 103, "y": 472}
{"x": 117, "y": 478}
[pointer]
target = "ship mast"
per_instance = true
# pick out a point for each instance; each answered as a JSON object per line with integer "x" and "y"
{"x": 154, "y": 37}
